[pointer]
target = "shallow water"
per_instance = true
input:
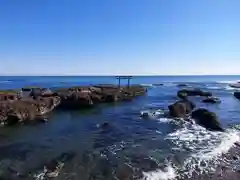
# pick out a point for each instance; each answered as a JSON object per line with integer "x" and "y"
{"x": 129, "y": 147}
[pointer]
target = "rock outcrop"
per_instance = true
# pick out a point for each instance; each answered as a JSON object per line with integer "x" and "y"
{"x": 79, "y": 97}
{"x": 237, "y": 94}
{"x": 207, "y": 119}
{"x": 183, "y": 94}
{"x": 33, "y": 103}
{"x": 9, "y": 95}
{"x": 181, "y": 109}
{"x": 25, "y": 110}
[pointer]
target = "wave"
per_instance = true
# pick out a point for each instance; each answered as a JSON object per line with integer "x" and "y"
{"x": 228, "y": 88}
{"x": 205, "y": 149}
{"x": 147, "y": 85}
{"x": 227, "y": 82}
{"x": 6, "y": 81}
{"x": 214, "y": 87}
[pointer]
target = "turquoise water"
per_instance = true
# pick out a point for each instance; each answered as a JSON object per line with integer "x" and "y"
{"x": 130, "y": 147}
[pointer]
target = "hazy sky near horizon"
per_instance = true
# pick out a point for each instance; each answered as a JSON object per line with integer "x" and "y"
{"x": 103, "y": 37}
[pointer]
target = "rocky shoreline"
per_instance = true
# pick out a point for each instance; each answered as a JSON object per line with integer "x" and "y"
{"x": 228, "y": 169}
{"x": 34, "y": 103}
{"x": 31, "y": 104}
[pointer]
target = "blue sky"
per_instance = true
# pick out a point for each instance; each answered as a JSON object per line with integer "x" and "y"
{"x": 104, "y": 37}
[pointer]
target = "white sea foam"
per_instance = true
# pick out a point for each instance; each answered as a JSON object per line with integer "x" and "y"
{"x": 147, "y": 85}
{"x": 230, "y": 88}
{"x": 165, "y": 120}
{"x": 167, "y": 173}
{"x": 205, "y": 150}
{"x": 169, "y": 84}
{"x": 152, "y": 114}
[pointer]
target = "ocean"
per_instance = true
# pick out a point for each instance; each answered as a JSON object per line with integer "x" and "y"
{"x": 130, "y": 147}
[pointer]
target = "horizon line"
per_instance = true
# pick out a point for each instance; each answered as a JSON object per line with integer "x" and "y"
{"x": 85, "y": 75}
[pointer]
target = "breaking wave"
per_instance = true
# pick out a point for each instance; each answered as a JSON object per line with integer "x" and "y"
{"x": 206, "y": 149}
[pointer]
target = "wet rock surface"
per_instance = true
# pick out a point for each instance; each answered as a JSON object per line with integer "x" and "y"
{"x": 237, "y": 95}
{"x": 24, "y": 110}
{"x": 78, "y": 97}
{"x": 34, "y": 103}
{"x": 226, "y": 170}
{"x": 207, "y": 119}
{"x": 181, "y": 108}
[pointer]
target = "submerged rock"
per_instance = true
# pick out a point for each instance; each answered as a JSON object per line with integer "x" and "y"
{"x": 181, "y": 108}
{"x": 103, "y": 125}
{"x": 160, "y": 84}
{"x": 207, "y": 119}
{"x": 235, "y": 85}
{"x": 212, "y": 100}
{"x": 53, "y": 168}
{"x": 183, "y": 94}
{"x": 182, "y": 85}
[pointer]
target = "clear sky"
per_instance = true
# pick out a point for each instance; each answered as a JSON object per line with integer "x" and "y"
{"x": 104, "y": 37}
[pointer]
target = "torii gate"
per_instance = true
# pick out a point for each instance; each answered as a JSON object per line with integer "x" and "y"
{"x": 123, "y": 77}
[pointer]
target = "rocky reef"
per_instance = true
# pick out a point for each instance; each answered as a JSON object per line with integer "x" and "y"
{"x": 184, "y": 93}
{"x": 34, "y": 103}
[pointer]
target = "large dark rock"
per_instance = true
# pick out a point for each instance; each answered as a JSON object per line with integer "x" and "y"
{"x": 207, "y": 119}
{"x": 237, "y": 95}
{"x": 74, "y": 100}
{"x": 213, "y": 100}
{"x": 25, "y": 110}
{"x": 181, "y": 109}
{"x": 193, "y": 92}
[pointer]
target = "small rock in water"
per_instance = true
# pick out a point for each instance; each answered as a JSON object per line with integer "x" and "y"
{"x": 54, "y": 167}
{"x": 103, "y": 125}
{"x": 158, "y": 84}
{"x": 235, "y": 158}
{"x": 54, "y": 172}
{"x": 182, "y": 85}
{"x": 152, "y": 114}
{"x": 212, "y": 100}
{"x": 237, "y": 95}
